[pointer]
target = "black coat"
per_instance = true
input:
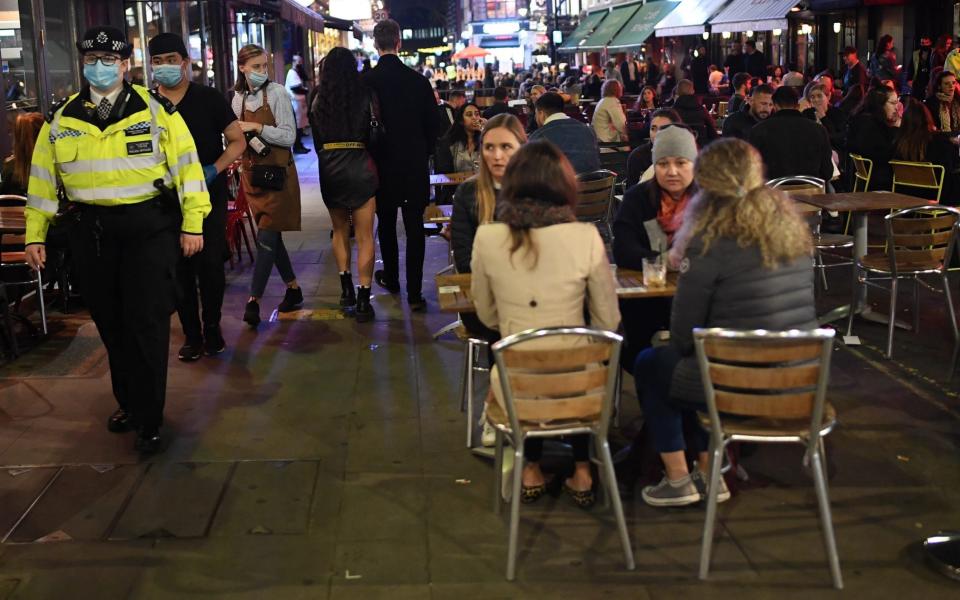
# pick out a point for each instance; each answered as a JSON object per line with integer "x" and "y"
{"x": 445, "y": 116}
{"x": 631, "y": 241}
{"x": 700, "y": 73}
{"x": 756, "y": 64}
{"x": 791, "y": 144}
{"x": 408, "y": 110}
{"x": 729, "y": 286}
{"x": 940, "y": 151}
{"x": 695, "y": 116}
{"x": 498, "y": 108}
{"x": 835, "y": 122}
{"x": 739, "y": 124}
{"x": 872, "y": 138}
{"x": 854, "y": 75}
{"x": 638, "y": 162}
{"x": 463, "y": 224}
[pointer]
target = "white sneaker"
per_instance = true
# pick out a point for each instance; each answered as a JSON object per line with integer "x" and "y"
{"x": 700, "y": 480}
{"x": 489, "y": 436}
{"x": 682, "y": 492}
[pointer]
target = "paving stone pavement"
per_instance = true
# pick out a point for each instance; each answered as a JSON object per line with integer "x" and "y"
{"x": 320, "y": 458}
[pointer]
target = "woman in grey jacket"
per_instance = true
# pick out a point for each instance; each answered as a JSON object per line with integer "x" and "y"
{"x": 744, "y": 256}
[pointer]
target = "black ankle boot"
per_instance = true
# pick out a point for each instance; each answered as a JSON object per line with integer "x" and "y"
{"x": 291, "y": 300}
{"x": 364, "y": 310}
{"x": 347, "y": 297}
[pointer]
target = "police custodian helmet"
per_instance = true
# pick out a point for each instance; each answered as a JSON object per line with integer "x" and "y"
{"x": 105, "y": 39}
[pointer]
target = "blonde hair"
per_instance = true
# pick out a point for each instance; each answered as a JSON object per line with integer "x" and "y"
{"x": 486, "y": 191}
{"x": 734, "y": 203}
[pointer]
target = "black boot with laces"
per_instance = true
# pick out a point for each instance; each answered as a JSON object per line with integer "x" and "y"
{"x": 347, "y": 296}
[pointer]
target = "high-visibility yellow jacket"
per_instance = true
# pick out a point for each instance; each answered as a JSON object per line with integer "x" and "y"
{"x": 145, "y": 140}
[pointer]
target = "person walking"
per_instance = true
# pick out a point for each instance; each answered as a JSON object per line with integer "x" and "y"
{"x": 268, "y": 175}
{"x": 127, "y": 225}
{"x": 210, "y": 120}
{"x": 341, "y": 117}
{"x": 408, "y": 114}
{"x": 298, "y": 97}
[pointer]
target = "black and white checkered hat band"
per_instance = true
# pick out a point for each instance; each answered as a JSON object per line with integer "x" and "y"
{"x": 115, "y": 46}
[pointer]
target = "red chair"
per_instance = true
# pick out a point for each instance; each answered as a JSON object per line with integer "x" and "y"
{"x": 239, "y": 217}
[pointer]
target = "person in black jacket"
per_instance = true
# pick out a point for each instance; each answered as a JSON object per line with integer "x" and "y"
{"x": 577, "y": 141}
{"x": 737, "y": 273}
{"x": 408, "y": 114}
{"x": 855, "y": 72}
{"x": 755, "y": 62}
{"x": 871, "y": 132}
{"x": 500, "y": 105}
{"x": 787, "y": 130}
{"x": 739, "y": 124}
{"x": 816, "y": 107}
{"x": 651, "y": 213}
{"x": 944, "y": 102}
{"x": 694, "y": 114}
{"x": 447, "y": 110}
{"x": 917, "y": 140}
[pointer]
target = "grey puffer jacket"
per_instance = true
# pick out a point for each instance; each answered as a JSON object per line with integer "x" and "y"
{"x": 730, "y": 287}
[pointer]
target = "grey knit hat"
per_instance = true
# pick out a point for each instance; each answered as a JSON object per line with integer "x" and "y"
{"x": 675, "y": 141}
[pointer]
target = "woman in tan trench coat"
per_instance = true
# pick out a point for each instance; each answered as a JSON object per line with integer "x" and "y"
{"x": 269, "y": 178}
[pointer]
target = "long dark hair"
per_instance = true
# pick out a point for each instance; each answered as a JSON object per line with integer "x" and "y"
{"x": 916, "y": 131}
{"x": 457, "y": 132}
{"x": 881, "y": 47}
{"x": 338, "y": 106}
{"x": 873, "y": 101}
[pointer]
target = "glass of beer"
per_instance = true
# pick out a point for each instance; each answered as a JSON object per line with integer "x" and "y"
{"x": 655, "y": 272}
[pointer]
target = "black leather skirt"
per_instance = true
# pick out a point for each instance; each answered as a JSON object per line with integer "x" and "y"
{"x": 348, "y": 178}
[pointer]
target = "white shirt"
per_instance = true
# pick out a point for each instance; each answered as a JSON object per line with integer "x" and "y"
{"x": 96, "y": 97}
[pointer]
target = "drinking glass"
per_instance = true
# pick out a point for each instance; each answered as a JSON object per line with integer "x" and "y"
{"x": 655, "y": 272}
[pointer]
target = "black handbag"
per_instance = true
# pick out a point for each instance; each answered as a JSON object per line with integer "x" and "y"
{"x": 377, "y": 132}
{"x": 268, "y": 177}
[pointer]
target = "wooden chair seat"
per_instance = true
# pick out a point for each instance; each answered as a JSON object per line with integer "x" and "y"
{"x": 880, "y": 263}
{"x": 13, "y": 257}
{"x": 498, "y": 418}
{"x": 733, "y": 425}
{"x": 824, "y": 241}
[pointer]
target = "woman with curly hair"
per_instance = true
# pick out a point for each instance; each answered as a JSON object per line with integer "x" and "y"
{"x": 744, "y": 255}
{"x": 340, "y": 118}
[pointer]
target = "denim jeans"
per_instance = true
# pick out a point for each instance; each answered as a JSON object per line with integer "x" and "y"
{"x": 653, "y": 372}
{"x": 270, "y": 251}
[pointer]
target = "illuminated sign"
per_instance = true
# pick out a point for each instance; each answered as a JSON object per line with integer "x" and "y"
{"x": 501, "y": 27}
{"x": 350, "y": 10}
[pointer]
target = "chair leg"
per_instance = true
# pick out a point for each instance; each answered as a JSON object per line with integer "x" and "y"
{"x": 855, "y": 285}
{"x": 893, "y": 316}
{"x": 826, "y": 519}
{"x": 468, "y": 374}
{"x": 246, "y": 242}
{"x": 497, "y": 472}
{"x": 617, "y": 392}
{"x": 953, "y": 323}
{"x": 823, "y": 271}
{"x": 716, "y": 458}
{"x": 515, "y": 507}
{"x": 463, "y": 376}
{"x": 43, "y": 306}
{"x": 610, "y": 483}
{"x": 916, "y": 304}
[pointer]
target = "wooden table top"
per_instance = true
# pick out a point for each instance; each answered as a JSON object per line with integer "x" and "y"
{"x": 438, "y": 214}
{"x": 12, "y": 220}
{"x": 451, "y": 178}
{"x": 863, "y": 201}
{"x": 453, "y": 290}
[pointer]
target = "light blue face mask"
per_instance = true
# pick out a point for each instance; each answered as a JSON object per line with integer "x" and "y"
{"x": 256, "y": 79}
{"x": 100, "y": 76}
{"x": 168, "y": 75}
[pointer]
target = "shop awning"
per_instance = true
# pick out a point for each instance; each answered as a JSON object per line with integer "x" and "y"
{"x": 833, "y": 4}
{"x": 640, "y": 27}
{"x": 690, "y": 18}
{"x": 584, "y": 29}
{"x": 610, "y": 27}
{"x": 299, "y": 15}
{"x": 752, "y": 15}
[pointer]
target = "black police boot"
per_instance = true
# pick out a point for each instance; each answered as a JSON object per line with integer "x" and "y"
{"x": 148, "y": 441}
{"x": 347, "y": 297}
{"x": 291, "y": 300}
{"x": 120, "y": 422}
{"x": 381, "y": 278}
{"x": 251, "y": 314}
{"x": 364, "y": 311}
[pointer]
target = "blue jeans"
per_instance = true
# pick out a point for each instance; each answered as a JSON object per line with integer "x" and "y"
{"x": 652, "y": 373}
{"x": 270, "y": 251}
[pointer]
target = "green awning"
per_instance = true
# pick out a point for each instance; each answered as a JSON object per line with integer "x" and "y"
{"x": 610, "y": 27}
{"x": 641, "y": 26}
{"x": 584, "y": 29}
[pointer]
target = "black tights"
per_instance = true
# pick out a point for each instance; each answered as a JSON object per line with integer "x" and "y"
{"x": 533, "y": 448}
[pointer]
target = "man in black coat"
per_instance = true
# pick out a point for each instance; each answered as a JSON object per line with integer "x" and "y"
{"x": 790, "y": 143}
{"x": 700, "y": 71}
{"x": 500, "y": 105}
{"x": 755, "y": 61}
{"x": 409, "y": 116}
{"x": 694, "y": 114}
{"x": 739, "y": 124}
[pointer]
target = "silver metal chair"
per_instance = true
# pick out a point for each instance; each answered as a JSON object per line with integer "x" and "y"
{"x": 595, "y": 192}
{"x": 771, "y": 387}
{"x": 920, "y": 241}
{"x": 15, "y": 261}
{"x": 549, "y": 392}
{"x": 471, "y": 365}
{"x": 825, "y": 244}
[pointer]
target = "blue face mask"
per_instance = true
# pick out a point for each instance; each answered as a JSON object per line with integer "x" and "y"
{"x": 100, "y": 76}
{"x": 168, "y": 75}
{"x": 256, "y": 79}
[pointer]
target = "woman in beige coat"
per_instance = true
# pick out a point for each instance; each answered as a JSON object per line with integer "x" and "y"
{"x": 538, "y": 267}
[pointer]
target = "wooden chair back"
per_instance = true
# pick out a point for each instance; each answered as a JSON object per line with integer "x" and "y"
{"x": 922, "y": 175}
{"x": 799, "y": 186}
{"x": 780, "y": 375}
{"x": 862, "y": 172}
{"x": 549, "y": 386}
{"x": 14, "y": 203}
{"x": 722, "y": 109}
{"x": 922, "y": 237}
{"x": 595, "y": 195}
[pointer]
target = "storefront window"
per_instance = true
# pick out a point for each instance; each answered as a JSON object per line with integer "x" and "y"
{"x": 483, "y": 10}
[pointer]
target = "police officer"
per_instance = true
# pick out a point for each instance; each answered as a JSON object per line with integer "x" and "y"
{"x": 136, "y": 201}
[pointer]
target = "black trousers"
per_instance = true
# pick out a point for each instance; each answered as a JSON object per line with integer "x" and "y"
{"x": 205, "y": 268}
{"x": 409, "y": 195}
{"x": 125, "y": 260}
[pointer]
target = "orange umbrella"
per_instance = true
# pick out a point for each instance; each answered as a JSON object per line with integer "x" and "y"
{"x": 470, "y": 52}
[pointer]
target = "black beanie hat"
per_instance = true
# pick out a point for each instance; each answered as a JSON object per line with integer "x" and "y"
{"x": 165, "y": 43}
